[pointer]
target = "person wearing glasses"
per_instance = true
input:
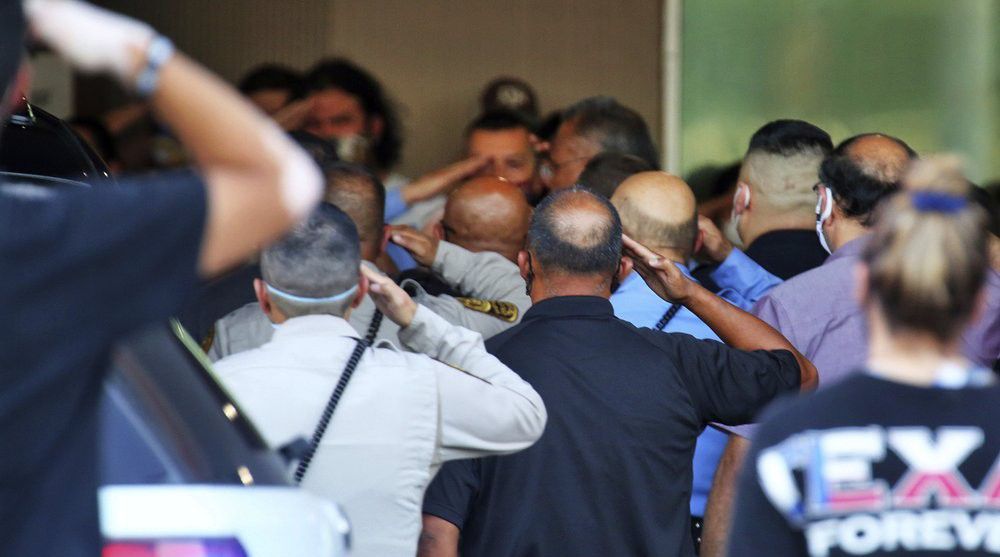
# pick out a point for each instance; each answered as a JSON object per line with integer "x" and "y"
{"x": 592, "y": 126}
{"x": 902, "y": 457}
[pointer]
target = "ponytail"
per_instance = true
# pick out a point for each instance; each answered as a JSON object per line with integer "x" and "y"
{"x": 928, "y": 255}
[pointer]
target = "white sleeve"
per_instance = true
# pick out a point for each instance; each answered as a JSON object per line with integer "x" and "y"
{"x": 485, "y": 408}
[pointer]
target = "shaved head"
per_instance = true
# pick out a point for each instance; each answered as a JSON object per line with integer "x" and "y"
{"x": 487, "y": 214}
{"x": 576, "y": 232}
{"x": 658, "y": 210}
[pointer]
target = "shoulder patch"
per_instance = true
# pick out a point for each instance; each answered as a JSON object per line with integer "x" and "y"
{"x": 504, "y": 311}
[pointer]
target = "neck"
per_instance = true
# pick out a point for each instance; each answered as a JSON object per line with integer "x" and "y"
{"x": 543, "y": 288}
{"x": 912, "y": 357}
{"x": 844, "y": 232}
{"x": 759, "y": 224}
{"x": 672, "y": 254}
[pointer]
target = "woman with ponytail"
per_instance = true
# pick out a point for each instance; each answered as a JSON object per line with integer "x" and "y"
{"x": 902, "y": 459}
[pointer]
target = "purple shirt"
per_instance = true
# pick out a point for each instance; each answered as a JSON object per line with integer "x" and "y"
{"x": 819, "y": 314}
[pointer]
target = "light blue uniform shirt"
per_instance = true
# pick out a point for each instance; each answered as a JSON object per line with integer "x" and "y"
{"x": 634, "y": 302}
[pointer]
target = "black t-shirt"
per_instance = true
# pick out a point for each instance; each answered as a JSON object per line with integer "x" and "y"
{"x": 612, "y": 473}
{"x": 873, "y": 467}
{"x": 80, "y": 269}
{"x": 787, "y": 253}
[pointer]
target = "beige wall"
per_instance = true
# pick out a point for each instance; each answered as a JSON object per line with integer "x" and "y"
{"x": 435, "y": 55}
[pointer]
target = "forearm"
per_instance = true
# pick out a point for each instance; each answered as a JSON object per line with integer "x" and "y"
{"x": 742, "y": 330}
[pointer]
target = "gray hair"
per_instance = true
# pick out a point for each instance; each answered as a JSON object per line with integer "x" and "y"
{"x": 310, "y": 270}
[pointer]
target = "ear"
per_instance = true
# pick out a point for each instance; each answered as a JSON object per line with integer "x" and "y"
{"x": 741, "y": 199}
{"x": 386, "y": 236}
{"x": 522, "y": 264}
{"x": 263, "y": 298}
{"x": 363, "y": 285}
{"x": 376, "y": 125}
{"x": 438, "y": 230}
{"x": 861, "y": 274}
{"x": 624, "y": 268}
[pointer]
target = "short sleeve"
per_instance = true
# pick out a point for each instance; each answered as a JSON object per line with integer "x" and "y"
{"x": 759, "y": 529}
{"x": 728, "y": 385}
{"x": 451, "y": 495}
{"x": 770, "y": 310}
{"x": 115, "y": 259}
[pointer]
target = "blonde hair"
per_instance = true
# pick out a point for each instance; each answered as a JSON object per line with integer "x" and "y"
{"x": 928, "y": 255}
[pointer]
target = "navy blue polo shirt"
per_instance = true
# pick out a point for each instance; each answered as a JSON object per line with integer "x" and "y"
{"x": 80, "y": 270}
{"x": 611, "y": 475}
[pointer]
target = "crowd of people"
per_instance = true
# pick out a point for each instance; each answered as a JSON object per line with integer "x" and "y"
{"x": 549, "y": 347}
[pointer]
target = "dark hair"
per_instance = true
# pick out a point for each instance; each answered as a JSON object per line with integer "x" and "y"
{"x": 547, "y": 128}
{"x": 982, "y": 197}
{"x": 496, "y": 120}
{"x": 272, "y": 76}
{"x": 561, "y": 244}
{"x": 321, "y": 150}
{"x": 12, "y": 29}
{"x": 790, "y": 137}
{"x": 614, "y": 126}
{"x": 511, "y": 94}
{"x": 860, "y": 183}
{"x": 606, "y": 171}
{"x": 928, "y": 254}
{"x": 342, "y": 74}
{"x": 357, "y": 191}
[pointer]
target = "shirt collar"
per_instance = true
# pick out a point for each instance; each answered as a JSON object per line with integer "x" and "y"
{"x": 851, "y": 249}
{"x": 570, "y": 306}
{"x": 325, "y": 325}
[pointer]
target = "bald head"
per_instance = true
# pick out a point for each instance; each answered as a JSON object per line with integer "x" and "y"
{"x": 487, "y": 214}
{"x": 863, "y": 170}
{"x": 356, "y": 191}
{"x": 575, "y": 232}
{"x": 658, "y": 210}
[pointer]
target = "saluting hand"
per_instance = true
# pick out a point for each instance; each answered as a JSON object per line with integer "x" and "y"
{"x": 389, "y": 298}
{"x": 423, "y": 247}
{"x": 442, "y": 180}
{"x": 661, "y": 274}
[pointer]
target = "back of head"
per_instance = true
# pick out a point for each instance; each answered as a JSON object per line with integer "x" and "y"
{"x": 271, "y": 76}
{"x": 314, "y": 267}
{"x": 510, "y": 94}
{"x": 576, "y": 232}
{"x": 12, "y": 30}
{"x": 487, "y": 214}
{"x": 615, "y": 127}
{"x": 357, "y": 191}
{"x": 928, "y": 255}
{"x": 342, "y": 74}
{"x": 863, "y": 170}
{"x": 605, "y": 172}
{"x": 782, "y": 163}
{"x": 658, "y": 210}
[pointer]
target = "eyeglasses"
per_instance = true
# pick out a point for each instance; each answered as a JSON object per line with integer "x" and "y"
{"x": 548, "y": 167}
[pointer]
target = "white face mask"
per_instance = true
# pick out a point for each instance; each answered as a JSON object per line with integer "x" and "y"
{"x": 822, "y": 216}
{"x": 353, "y": 148}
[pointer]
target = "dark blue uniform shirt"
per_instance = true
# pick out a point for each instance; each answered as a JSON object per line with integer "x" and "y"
{"x": 80, "y": 269}
{"x": 612, "y": 473}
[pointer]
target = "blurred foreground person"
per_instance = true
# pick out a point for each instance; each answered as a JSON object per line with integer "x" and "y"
{"x": 401, "y": 414}
{"x": 592, "y": 126}
{"x": 145, "y": 246}
{"x": 901, "y": 458}
{"x": 612, "y": 473}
